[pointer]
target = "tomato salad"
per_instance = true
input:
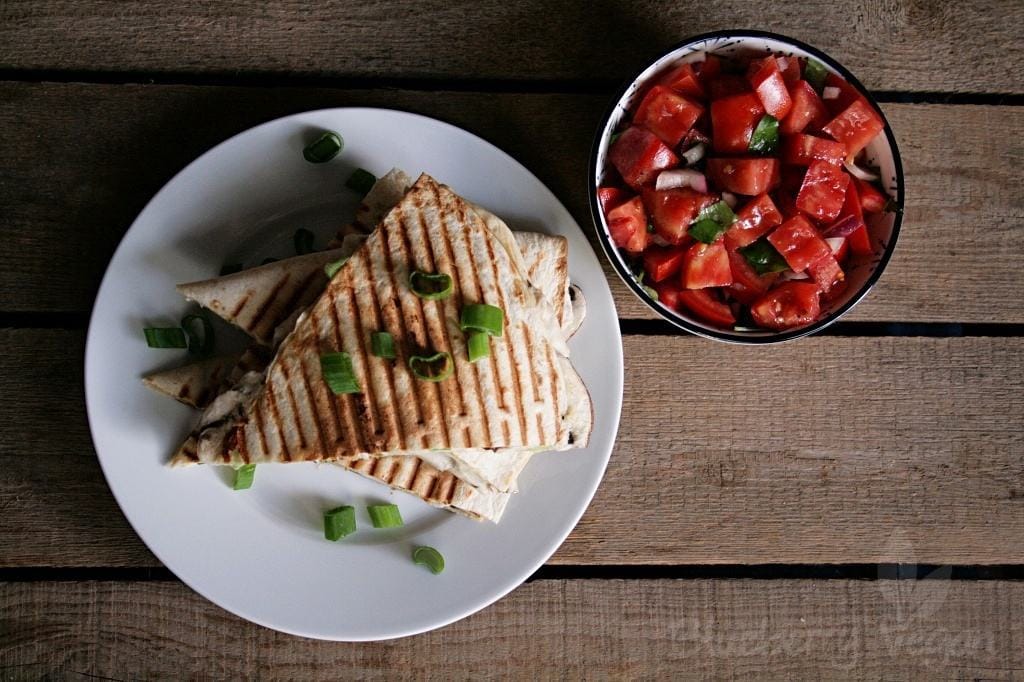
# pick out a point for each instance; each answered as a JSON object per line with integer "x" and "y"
{"x": 740, "y": 194}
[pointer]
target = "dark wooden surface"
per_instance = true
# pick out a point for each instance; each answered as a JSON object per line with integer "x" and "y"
{"x": 895, "y": 440}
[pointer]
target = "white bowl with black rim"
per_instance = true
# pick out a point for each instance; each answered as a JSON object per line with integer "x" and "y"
{"x": 861, "y": 273}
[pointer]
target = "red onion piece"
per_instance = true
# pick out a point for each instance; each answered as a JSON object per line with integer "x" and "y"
{"x": 681, "y": 177}
{"x": 844, "y": 228}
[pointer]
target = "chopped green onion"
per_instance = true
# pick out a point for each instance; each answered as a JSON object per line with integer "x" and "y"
{"x": 323, "y": 148}
{"x": 613, "y": 138}
{"x": 429, "y": 557}
{"x": 331, "y": 269}
{"x": 198, "y": 344}
{"x": 650, "y": 227}
{"x": 430, "y": 286}
{"x": 482, "y": 317}
{"x": 337, "y": 371}
{"x": 706, "y": 230}
{"x": 815, "y": 73}
{"x": 382, "y": 345}
{"x": 267, "y": 261}
{"x": 765, "y": 138}
{"x": 385, "y": 515}
{"x": 339, "y": 522}
{"x": 437, "y": 367}
{"x": 719, "y": 212}
{"x": 478, "y": 345}
{"x": 165, "y": 337}
{"x": 230, "y": 269}
{"x": 303, "y": 241}
{"x": 763, "y": 257}
{"x": 243, "y": 477}
{"x": 361, "y": 181}
{"x": 651, "y": 291}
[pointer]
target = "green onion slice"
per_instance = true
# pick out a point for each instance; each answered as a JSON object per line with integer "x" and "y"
{"x": 478, "y": 345}
{"x": 765, "y": 138}
{"x": 429, "y": 557}
{"x": 339, "y": 522}
{"x": 481, "y": 317}
{"x": 243, "y": 477}
{"x": 763, "y": 257}
{"x": 303, "y": 241}
{"x": 382, "y": 345}
{"x": 706, "y": 230}
{"x": 361, "y": 181}
{"x": 323, "y": 148}
{"x": 437, "y": 367}
{"x": 651, "y": 291}
{"x": 198, "y": 344}
{"x": 331, "y": 269}
{"x": 719, "y": 212}
{"x": 337, "y": 371}
{"x": 430, "y": 286}
{"x": 230, "y": 269}
{"x": 165, "y": 337}
{"x": 385, "y": 515}
{"x": 815, "y": 73}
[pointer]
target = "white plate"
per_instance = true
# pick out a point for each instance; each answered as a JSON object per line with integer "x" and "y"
{"x": 260, "y": 553}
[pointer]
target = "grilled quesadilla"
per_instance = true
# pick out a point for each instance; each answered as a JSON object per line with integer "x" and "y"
{"x": 195, "y": 384}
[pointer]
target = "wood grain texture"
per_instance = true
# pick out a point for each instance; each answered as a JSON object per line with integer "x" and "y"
{"x": 831, "y": 450}
{"x": 589, "y": 629}
{"x": 898, "y": 45}
{"x": 957, "y": 260}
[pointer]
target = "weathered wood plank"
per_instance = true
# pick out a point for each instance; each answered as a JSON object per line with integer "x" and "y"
{"x": 584, "y": 629}
{"x": 902, "y": 45}
{"x": 958, "y": 259}
{"x": 831, "y": 450}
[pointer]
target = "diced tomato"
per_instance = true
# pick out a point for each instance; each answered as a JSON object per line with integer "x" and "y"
{"x": 639, "y": 156}
{"x": 826, "y": 272}
{"x": 771, "y": 89}
{"x": 757, "y": 217}
{"x": 859, "y": 241}
{"x": 801, "y": 150}
{"x": 694, "y": 136}
{"x": 747, "y": 286}
{"x": 733, "y": 120}
{"x": 709, "y": 69}
{"x": 706, "y": 265}
{"x": 668, "y": 293}
{"x": 672, "y": 211}
{"x": 684, "y": 79}
{"x": 847, "y": 93}
{"x": 660, "y": 263}
{"x": 871, "y": 199}
{"x": 856, "y": 126}
{"x": 667, "y": 114}
{"x": 749, "y": 176}
{"x": 627, "y": 224}
{"x": 791, "y": 304}
{"x": 799, "y": 243}
{"x": 701, "y": 303}
{"x": 727, "y": 85}
{"x": 824, "y": 189}
{"x": 791, "y": 71}
{"x": 841, "y": 248}
{"x": 808, "y": 110}
{"x": 610, "y": 197}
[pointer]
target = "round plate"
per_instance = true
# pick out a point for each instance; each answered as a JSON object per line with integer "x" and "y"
{"x": 260, "y": 553}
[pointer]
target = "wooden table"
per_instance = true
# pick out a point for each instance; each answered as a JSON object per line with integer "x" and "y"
{"x": 764, "y": 507}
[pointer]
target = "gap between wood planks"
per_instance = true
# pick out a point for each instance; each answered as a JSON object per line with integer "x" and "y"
{"x": 483, "y": 85}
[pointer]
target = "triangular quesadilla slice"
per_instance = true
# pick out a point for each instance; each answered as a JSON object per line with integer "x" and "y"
{"x": 194, "y": 384}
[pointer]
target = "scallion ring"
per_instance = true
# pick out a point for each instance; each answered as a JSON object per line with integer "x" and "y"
{"x": 244, "y": 476}
{"x": 198, "y": 344}
{"x": 323, "y": 148}
{"x": 478, "y": 344}
{"x": 436, "y": 367}
{"x": 361, "y": 181}
{"x": 429, "y": 557}
{"x": 382, "y": 345}
{"x": 337, "y": 371}
{"x": 481, "y": 317}
{"x": 165, "y": 337}
{"x": 331, "y": 269}
{"x": 385, "y": 515}
{"x": 430, "y": 286}
{"x": 339, "y": 522}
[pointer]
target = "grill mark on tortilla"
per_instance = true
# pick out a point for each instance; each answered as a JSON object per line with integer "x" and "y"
{"x": 257, "y": 422}
{"x": 276, "y": 418}
{"x": 241, "y": 304}
{"x": 556, "y": 371}
{"x": 395, "y": 421}
{"x": 415, "y": 471}
{"x": 342, "y": 400}
{"x": 298, "y": 295}
{"x": 294, "y": 405}
{"x": 536, "y": 381}
{"x": 311, "y": 404}
{"x": 366, "y": 404}
{"x": 263, "y": 308}
{"x": 324, "y": 396}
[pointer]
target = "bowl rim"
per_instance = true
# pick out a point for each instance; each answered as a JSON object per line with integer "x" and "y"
{"x": 611, "y": 251}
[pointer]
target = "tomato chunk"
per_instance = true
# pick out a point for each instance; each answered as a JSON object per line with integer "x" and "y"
{"x": 749, "y": 176}
{"x": 802, "y": 150}
{"x": 771, "y": 89}
{"x": 799, "y": 243}
{"x": 702, "y": 304}
{"x": 672, "y": 211}
{"x": 684, "y": 79}
{"x": 610, "y": 197}
{"x": 856, "y": 126}
{"x": 757, "y": 217}
{"x": 747, "y": 286}
{"x": 859, "y": 241}
{"x": 668, "y": 294}
{"x": 727, "y": 85}
{"x": 871, "y": 199}
{"x": 808, "y": 110}
{"x": 733, "y": 120}
{"x": 792, "y": 304}
{"x": 706, "y": 265}
{"x": 627, "y": 224}
{"x": 667, "y": 114}
{"x": 790, "y": 70}
{"x": 639, "y": 156}
{"x": 847, "y": 93}
{"x": 826, "y": 272}
{"x": 823, "y": 192}
{"x": 660, "y": 263}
